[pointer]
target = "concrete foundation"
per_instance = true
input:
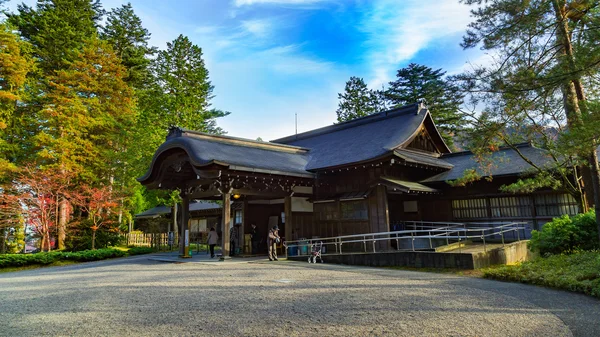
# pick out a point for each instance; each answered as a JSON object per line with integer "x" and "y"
{"x": 509, "y": 254}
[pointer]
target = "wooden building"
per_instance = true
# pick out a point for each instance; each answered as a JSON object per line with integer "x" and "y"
{"x": 361, "y": 176}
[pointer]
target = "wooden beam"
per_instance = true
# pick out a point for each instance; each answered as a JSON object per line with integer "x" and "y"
{"x": 184, "y": 242}
{"x": 225, "y": 225}
{"x": 288, "y": 218}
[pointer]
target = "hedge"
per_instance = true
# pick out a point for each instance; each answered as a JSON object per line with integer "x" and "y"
{"x": 18, "y": 260}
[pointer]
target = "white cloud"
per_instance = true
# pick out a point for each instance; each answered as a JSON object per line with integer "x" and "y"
{"x": 260, "y": 28}
{"x": 240, "y": 3}
{"x": 398, "y": 30}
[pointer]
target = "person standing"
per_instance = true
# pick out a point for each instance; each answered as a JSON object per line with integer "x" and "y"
{"x": 211, "y": 240}
{"x": 272, "y": 241}
{"x": 233, "y": 236}
{"x": 255, "y": 238}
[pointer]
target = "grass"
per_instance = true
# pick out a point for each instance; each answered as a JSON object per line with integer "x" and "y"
{"x": 577, "y": 272}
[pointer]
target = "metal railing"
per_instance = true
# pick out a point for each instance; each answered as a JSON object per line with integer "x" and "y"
{"x": 436, "y": 233}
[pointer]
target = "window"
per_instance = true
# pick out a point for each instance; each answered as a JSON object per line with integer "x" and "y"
{"x": 238, "y": 217}
{"x": 469, "y": 208}
{"x": 510, "y": 207}
{"x": 326, "y": 211}
{"x": 411, "y": 206}
{"x": 354, "y": 210}
{"x": 555, "y": 205}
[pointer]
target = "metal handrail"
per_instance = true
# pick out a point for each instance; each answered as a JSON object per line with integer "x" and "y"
{"x": 450, "y": 231}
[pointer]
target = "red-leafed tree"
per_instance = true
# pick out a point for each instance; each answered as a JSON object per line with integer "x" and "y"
{"x": 33, "y": 196}
{"x": 100, "y": 204}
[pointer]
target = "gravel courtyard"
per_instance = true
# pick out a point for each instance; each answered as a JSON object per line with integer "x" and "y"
{"x": 135, "y": 296}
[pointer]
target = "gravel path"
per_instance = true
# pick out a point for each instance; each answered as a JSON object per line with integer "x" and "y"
{"x": 135, "y": 296}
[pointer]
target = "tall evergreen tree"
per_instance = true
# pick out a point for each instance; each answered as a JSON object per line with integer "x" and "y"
{"x": 357, "y": 101}
{"x": 442, "y": 97}
{"x": 57, "y": 29}
{"x": 182, "y": 79}
{"x": 129, "y": 39}
{"x": 15, "y": 65}
{"x": 547, "y": 52}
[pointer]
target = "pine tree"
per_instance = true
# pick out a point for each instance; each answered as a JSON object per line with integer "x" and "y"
{"x": 183, "y": 80}
{"x": 15, "y": 65}
{"x": 547, "y": 51}
{"x": 57, "y": 29}
{"x": 129, "y": 39}
{"x": 88, "y": 114}
{"x": 442, "y": 98}
{"x": 357, "y": 101}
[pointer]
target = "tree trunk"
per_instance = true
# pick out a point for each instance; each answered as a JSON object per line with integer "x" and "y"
{"x": 62, "y": 224}
{"x": 573, "y": 95}
{"x": 93, "y": 239}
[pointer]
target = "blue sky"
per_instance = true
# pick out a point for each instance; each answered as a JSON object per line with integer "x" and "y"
{"x": 270, "y": 59}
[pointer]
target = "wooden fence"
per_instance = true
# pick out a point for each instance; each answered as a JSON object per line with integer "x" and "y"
{"x": 160, "y": 241}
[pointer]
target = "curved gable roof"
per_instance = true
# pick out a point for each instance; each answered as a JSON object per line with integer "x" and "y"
{"x": 361, "y": 139}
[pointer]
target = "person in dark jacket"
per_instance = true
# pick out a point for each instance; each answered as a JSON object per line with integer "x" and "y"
{"x": 255, "y": 239}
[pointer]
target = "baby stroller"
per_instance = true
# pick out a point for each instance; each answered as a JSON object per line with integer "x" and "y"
{"x": 315, "y": 252}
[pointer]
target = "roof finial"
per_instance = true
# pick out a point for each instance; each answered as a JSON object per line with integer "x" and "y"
{"x": 174, "y": 131}
{"x": 422, "y": 104}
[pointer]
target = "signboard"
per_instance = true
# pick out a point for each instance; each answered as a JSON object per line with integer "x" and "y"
{"x": 171, "y": 238}
{"x": 187, "y": 237}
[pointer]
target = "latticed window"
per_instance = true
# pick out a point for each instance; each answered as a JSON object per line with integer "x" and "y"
{"x": 326, "y": 211}
{"x": 469, "y": 208}
{"x": 510, "y": 207}
{"x": 555, "y": 204}
{"x": 354, "y": 210}
{"x": 238, "y": 217}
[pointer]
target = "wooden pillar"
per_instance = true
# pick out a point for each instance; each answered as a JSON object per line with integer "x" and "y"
{"x": 379, "y": 215}
{"x": 226, "y": 219}
{"x": 184, "y": 241}
{"x": 289, "y": 223}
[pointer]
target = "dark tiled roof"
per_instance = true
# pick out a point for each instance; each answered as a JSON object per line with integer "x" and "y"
{"x": 506, "y": 161}
{"x": 421, "y": 158}
{"x": 361, "y": 139}
{"x": 162, "y": 210}
{"x": 236, "y": 153}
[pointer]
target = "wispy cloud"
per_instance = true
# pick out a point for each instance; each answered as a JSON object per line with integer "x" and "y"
{"x": 398, "y": 30}
{"x": 260, "y": 27}
{"x": 240, "y": 3}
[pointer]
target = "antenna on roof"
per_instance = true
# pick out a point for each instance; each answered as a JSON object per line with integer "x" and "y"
{"x": 296, "y": 114}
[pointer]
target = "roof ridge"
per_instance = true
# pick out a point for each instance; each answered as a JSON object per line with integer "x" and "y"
{"x": 403, "y": 110}
{"x": 501, "y": 148}
{"x": 175, "y": 132}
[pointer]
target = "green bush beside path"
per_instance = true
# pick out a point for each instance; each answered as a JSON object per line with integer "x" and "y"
{"x": 42, "y": 259}
{"x": 578, "y": 272}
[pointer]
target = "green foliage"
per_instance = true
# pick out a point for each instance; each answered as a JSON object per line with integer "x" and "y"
{"x": 81, "y": 237}
{"x": 527, "y": 185}
{"x": 17, "y": 260}
{"x": 140, "y": 250}
{"x": 357, "y": 101}
{"x": 578, "y": 272}
{"x": 566, "y": 234}
{"x": 468, "y": 177}
{"x": 442, "y": 97}
{"x": 129, "y": 39}
{"x": 57, "y": 29}
{"x": 15, "y": 65}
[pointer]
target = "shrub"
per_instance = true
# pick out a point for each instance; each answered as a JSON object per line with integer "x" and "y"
{"x": 140, "y": 250}
{"x": 81, "y": 237}
{"x": 566, "y": 234}
{"x": 18, "y": 260}
{"x": 579, "y": 272}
